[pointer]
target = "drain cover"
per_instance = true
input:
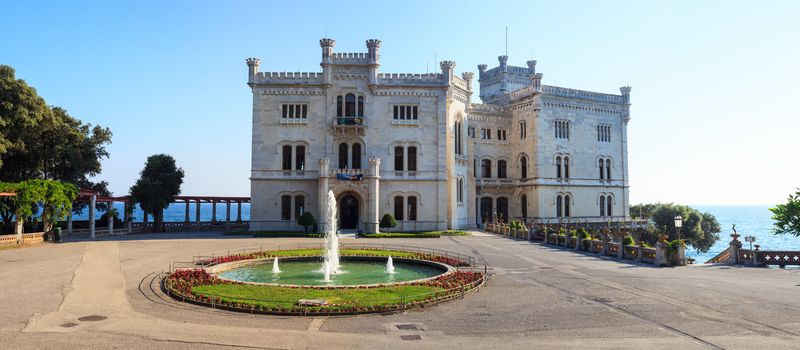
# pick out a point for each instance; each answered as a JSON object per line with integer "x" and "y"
{"x": 69, "y": 325}
{"x": 407, "y": 326}
{"x": 411, "y": 337}
{"x": 92, "y": 318}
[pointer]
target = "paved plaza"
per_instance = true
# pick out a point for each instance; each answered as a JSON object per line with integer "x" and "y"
{"x": 539, "y": 297}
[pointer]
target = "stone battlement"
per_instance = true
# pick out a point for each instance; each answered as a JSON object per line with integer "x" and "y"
{"x": 351, "y": 58}
{"x": 582, "y": 94}
{"x": 288, "y": 77}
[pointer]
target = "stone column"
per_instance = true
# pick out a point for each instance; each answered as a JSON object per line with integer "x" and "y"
{"x": 18, "y": 228}
{"x": 110, "y": 218}
{"x": 213, "y": 212}
{"x": 322, "y": 193}
{"x": 197, "y": 213}
{"x": 239, "y": 212}
{"x": 621, "y": 250}
{"x": 661, "y": 254}
{"x": 373, "y": 209}
{"x": 126, "y": 217}
{"x": 733, "y": 252}
{"x": 186, "y": 221}
{"x": 680, "y": 255}
{"x": 228, "y": 214}
{"x": 92, "y": 202}
{"x": 69, "y": 223}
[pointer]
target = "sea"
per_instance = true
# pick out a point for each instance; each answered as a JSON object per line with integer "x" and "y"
{"x": 750, "y": 220}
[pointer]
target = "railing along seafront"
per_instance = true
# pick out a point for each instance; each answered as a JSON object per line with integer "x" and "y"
{"x": 26, "y": 237}
{"x": 384, "y": 305}
{"x": 736, "y": 255}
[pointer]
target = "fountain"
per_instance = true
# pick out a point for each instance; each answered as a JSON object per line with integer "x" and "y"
{"x": 330, "y": 264}
{"x": 389, "y": 266}
{"x": 275, "y": 268}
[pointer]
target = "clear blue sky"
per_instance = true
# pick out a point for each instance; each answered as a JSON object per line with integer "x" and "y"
{"x": 715, "y": 83}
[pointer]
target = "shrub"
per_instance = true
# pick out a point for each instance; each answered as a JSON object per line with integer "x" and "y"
{"x": 306, "y": 220}
{"x": 388, "y": 221}
{"x": 583, "y": 234}
{"x": 628, "y": 240}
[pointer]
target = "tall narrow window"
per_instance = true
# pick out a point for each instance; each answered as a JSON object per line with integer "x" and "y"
{"x": 474, "y": 167}
{"x": 350, "y": 105}
{"x": 342, "y": 155}
{"x": 339, "y": 107}
{"x": 398, "y": 208}
{"x": 486, "y": 209}
{"x": 412, "y": 158}
{"x": 561, "y": 129}
{"x": 457, "y": 138}
{"x": 523, "y": 164}
{"x": 559, "y": 203}
{"x": 300, "y": 157}
{"x": 285, "y": 111}
{"x": 360, "y": 106}
{"x": 567, "y": 205}
{"x": 398, "y": 158}
{"x": 600, "y": 166}
{"x": 566, "y": 167}
{"x": 486, "y": 168}
{"x": 287, "y": 157}
{"x": 286, "y": 207}
{"x": 502, "y": 209}
{"x": 558, "y": 167}
{"x": 609, "y": 205}
{"x": 299, "y": 206}
{"x": 524, "y": 204}
{"x": 523, "y": 130}
{"x": 471, "y": 132}
{"x": 460, "y": 190}
{"x": 608, "y": 169}
{"x": 412, "y": 208}
{"x": 501, "y": 169}
{"x": 602, "y": 205}
{"x": 356, "y": 156}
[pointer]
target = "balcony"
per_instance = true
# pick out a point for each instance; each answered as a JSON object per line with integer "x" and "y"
{"x": 494, "y": 182}
{"x": 349, "y": 126}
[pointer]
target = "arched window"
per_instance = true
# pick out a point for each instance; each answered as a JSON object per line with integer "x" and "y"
{"x": 524, "y": 204}
{"x": 460, "y": 190}
{"x": 458, "y": 138}
{"x": 398, "y": 207}
{"x": 356, "y": 156}
{"x": 486, "y": 209}
{"x": 398, "y": 158}
{"x": 609, "y": 205}
{"x": 608, "y": 169}
{"x": 286, "y": 207}
{"x": 342, "y": 155}
{"x": 559, "y": 205}
{"x": 339, "y": 106}
{"x": 286, "y": 160}
{"x": 350, "y": 105}
{"x": 300, "y": 157}
{"x": 501, "y": 169}
{"x": 502, "y": 208}
{"x": 567, "y": 205}
{"x": 486, "y": 168}
{"x": 523, "y": 164}
{"x": 602, "y": 205}
{"x": 299, "y": 206}
{"x": 360, "y": 106}
{"x": 600, "y": 165}
{"x": 522, "y": 130}
{"x": 412, "y": 158}
{"x": 566, "y": 167}
{"x": 558, "y": 167}
{"x": 412, "y": 208}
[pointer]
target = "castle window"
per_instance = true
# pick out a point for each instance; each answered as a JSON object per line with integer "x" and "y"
{"x": 567, "y": 205}
{"x": 339, "y": 107}
{"x": 600, "y": 166}
{"x": 342, "y": 155}
{"x": 559, "y": 203}
{"x": 299, "y": 206}
{"x": 602, "y": 205}
{"x": 609, "y": 205}
{"x": 486, "y": 209}
{"x": 286, "y": 157}
{"x": 523, "y": 130}
{"x": 502, "y": 208}
{"x": 412, "y": 208}
{"x": 471, "y": 132}
{"x": 524, "y": 204}
{"x": 350, "y": 105}
{"x": 299, "y": 157}
{"x": 398, "y": 208}
{"x": 558, "y": 167}
{"x": 566, "y": 167}
{"x": 486, "y": 134}
{"x": 406, "y": 112}
{"x": 412, "y": 158}
{"x": 294, "y": 111}
{"x": 523, "y": 165}
{"x": 457, "y": 130}
{"x": 460, "y": 190}
{"x": 604, "y": 133}
{"x": 356, "y": 156}
{"x": 398, "y": 158}
{"x": 501, "y": 169}
{"x": 608, "y": 169}
{"x": 286, "y": 207}
{"x": 486, "y": 168}
{"x": 562, "y": 129}
{"x": 501, "y": 135}
{"x": 360, "y": 106}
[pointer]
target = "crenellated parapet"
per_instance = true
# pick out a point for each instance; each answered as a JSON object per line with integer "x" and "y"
{"x": 288, "y": 78}
{"x": 582, "y": 94}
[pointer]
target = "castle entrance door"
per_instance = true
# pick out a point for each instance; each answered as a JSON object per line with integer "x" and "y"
{"x": 348, "y": 212}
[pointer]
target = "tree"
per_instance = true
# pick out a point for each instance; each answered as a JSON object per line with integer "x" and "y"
{"x": 54, "y": 197}
{"x": 787, "y": 216}
{"x": 306, "y": 220}
{"x": 21, "y": 110}
{"x": 699, "y": 230}
{"x": 159, "y": 182}
{"x": 388, "y": 221}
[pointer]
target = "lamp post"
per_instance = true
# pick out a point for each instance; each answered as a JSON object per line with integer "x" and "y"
{"x": 678, "y": 224}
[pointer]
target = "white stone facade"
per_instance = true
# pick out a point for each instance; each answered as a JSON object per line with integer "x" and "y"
{"x": 406, "y": 142}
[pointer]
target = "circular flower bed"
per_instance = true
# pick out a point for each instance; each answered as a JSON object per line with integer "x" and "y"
{"x": 198, "y": 286}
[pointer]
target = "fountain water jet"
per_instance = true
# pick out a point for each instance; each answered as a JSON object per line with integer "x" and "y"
{"x": 330, "y": 263}
{"x": 389, "y": 266}
{"x": 275, "y": 268}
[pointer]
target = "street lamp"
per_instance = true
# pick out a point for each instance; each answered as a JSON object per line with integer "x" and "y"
{"x": 678, "y": 224}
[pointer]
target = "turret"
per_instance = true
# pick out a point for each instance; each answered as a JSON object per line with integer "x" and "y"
{"x": 626, "y": 99}
{"x": 467, "y": 76}
{"x": 531, "y": 67}
{"x": 447, "y": 70}
{"x": 504, "y": 69}
{"x": 482, "y": 70}
{"x": 503, "y": 62}
{"x": 327, "y": 52}
{"x": 252, "y": 69}
{"x": 373, "y": 51}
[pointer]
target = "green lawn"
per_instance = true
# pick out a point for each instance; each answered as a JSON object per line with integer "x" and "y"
{"x": 318, "y": 252}
{"x": 422, "y": 234}
{"x": 271, "y": 296}
{"x": 271, "y": 234}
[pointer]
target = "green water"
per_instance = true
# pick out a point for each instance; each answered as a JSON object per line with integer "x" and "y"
{"x": 309, "y": 273}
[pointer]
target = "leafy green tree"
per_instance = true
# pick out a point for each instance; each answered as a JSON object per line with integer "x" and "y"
{"x": 21, "y": 110}
{"x": 388, "y": 221}
{"x": 787, "y": 216}
{"x": 159, "y": 182}
{"x": 306, "y": 220}
{"x": 53, "y": 196}
{"x": 699, "y": 230}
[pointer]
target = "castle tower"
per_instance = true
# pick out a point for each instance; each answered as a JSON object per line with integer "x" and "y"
{"x": 327, "y": 53}
{"x": 373, "y": 51}
{"x": 447, "y": 70}
{"x": 503, "y": 79}
{"x": 252, "y": 68}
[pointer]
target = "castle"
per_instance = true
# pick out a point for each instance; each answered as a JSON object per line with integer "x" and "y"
{"x": 418, "y": 147}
